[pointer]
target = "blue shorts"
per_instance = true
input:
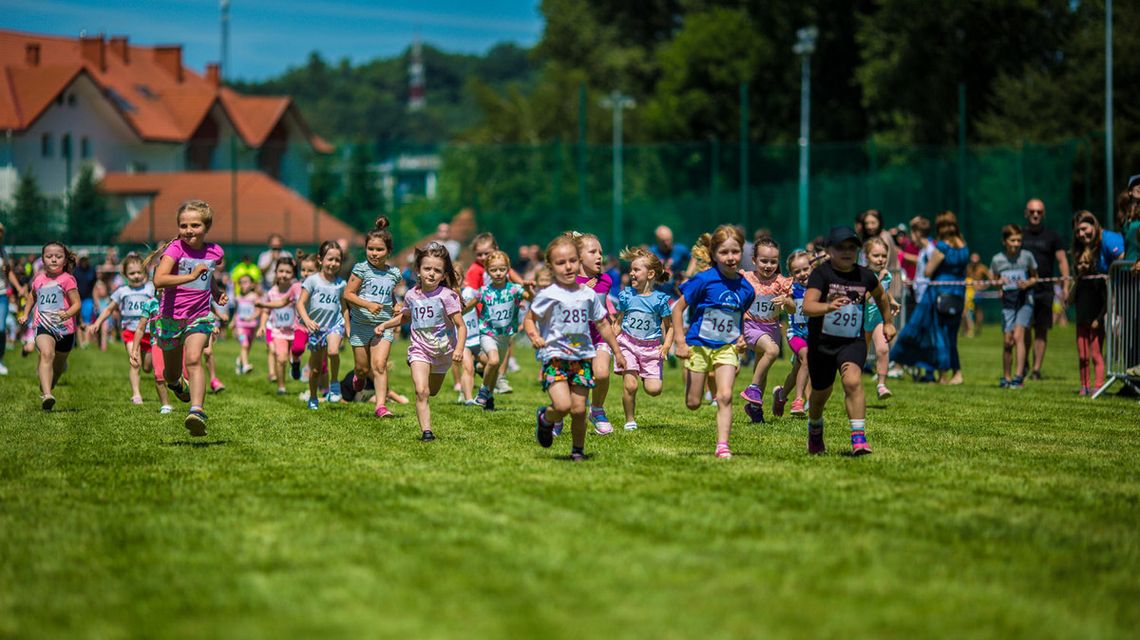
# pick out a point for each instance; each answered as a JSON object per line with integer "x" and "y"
{"x": 1017, "y": 316}
{"x": 319, "y": 339}
{"x": 87, "y": 310}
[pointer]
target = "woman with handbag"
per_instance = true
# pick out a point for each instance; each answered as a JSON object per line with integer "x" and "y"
{"x": 930, "y": 338}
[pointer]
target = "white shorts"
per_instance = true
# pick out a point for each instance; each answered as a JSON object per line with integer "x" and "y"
{"x": 499, "y": 344}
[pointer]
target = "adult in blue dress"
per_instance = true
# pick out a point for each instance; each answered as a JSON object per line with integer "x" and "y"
{"x": 930, "y": 338}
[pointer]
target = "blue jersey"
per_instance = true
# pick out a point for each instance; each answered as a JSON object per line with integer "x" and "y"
{"x": 641, "y": 315}
{"x": 797, "y": 321}
{"x": 716, "y": 307}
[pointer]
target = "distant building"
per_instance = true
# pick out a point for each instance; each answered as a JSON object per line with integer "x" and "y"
{"x": 65, "y": 102}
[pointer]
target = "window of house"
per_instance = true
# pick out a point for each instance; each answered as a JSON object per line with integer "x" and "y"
{"x": 45, "y": 145}
{"x": 71, "y": 100}
{"x": 84, "y": 147}
{"x": 65, "y": 145}
{"x": 59, "y": 100}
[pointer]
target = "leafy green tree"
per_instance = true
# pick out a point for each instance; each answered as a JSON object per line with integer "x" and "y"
{"x": 29, "y": 213}
{"x": 362, "y": 201}
{"x": 89, "y": 219}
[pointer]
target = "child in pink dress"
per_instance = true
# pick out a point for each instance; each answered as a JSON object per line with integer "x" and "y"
{"x": 55, "y": 300}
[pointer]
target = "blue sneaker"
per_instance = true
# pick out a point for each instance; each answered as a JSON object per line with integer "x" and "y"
{"x": 1017, "y": 383}
{"x": 755, "y": 412}
{"x": 1004, "y": 383}
{"x": 314, "y": 404}
{"x": 543, "y": 432}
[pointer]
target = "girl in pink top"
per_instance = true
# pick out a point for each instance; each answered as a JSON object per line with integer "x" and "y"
{"x": 762, "y": 321}
{"x": 436, "y": 314}
{"x": 55, "y": 300}
{"x": 279, "y": 317}
{"x": 592, "y": 275}
{"x": 185, "y": 320}
{"x": 246, "y": 318}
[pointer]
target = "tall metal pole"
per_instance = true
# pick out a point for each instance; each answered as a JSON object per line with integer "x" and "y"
{"x": 618, "y": 102}
{"x": 224, "y": 63}
{"x": 583, "y": 203}
{"x": 805, "y": 46}
{"x": 962, "y": 153}
{"x": 1109, "y": 181}
{"x": 744, "y": 173}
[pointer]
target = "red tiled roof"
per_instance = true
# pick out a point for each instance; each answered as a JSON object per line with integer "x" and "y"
{"x": 264, "y": 206}
{"x": 157, "y": 96}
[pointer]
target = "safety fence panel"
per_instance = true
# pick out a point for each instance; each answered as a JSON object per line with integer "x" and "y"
{"x": 1122, "y": 323}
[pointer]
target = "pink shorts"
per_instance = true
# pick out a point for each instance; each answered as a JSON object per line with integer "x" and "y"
{"x": 272, "y": 334}
{"x": 440, "y": 362}
{"x": 797, "y": 343}
{"x": 753, "y": 331}
{"x": 300, "y": 340}
{"x": 245, "y": 335}
{"x": 642, "y": 357}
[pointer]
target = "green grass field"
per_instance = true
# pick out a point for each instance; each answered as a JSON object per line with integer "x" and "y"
{"x": 982, "y": 513}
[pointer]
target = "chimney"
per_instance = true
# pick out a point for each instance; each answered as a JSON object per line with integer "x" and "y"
{"x": 32, "y": 54}
{"x": 170, "y": 59}
{"x": 214, "y": 74}
{"x": 94, "y": 51}
{"x": 120, "y": 49}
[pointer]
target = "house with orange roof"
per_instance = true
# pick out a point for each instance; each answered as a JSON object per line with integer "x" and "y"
{"x": 124, "y": 108}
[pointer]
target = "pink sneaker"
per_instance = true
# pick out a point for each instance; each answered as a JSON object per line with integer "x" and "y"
{"x": 859, "y": 446}
{"x": 601, "y": 423}
{"x": 797, "y": 409}
{"x": 779, "y": 399}
{"x": 384, "y": 412}
{"x": 216, "y": 386}
{"x": 136, "y": 400}
{"x": 722, "y": 450}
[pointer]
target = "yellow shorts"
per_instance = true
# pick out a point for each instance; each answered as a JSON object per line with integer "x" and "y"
{"x": 706, "y": 359}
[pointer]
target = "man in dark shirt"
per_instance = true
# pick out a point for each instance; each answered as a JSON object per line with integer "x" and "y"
{"x": 675, "y": 257}
{"x": 1049, "y": 251}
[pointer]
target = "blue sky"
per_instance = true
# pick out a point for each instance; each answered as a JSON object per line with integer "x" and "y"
{"x": 267, "y": 36}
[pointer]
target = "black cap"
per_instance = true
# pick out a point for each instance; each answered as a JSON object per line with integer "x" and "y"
{"x": 1133, "y": 180}
{"x": 840, "y": 234}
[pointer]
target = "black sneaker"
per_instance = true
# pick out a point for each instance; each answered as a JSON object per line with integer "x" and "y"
{"x": 489, "y": 405}
{"x": 180, "y": 389}
{"x": 755, "y": 412}
{"x": 196, "y": 423}
{"x": 427, "y": 436}
{"x": 577, "y": 456}
{"x": 1036, "y": 375}
{"x": 295, "y": 370}
{"x": 543, "y": 432}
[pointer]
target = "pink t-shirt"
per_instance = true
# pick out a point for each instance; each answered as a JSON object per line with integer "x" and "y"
{"x": 284, "y": 317}
{"x": 247, "y": 315}
{"x": 432, "y": 329}
{"x": 191, "y": 300}
{"x": 51, "y": 298}
{"x": 602, "y": 285}
{"x": 762, "y": 309}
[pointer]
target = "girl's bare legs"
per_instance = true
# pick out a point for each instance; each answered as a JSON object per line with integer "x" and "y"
{"x": 630, "y": 382}
{"x": 316, "y": 360}
{"x": 882, "y": 352}
{"x": 427, "y": 384}
{"x": 725, "y": 375}
{"x": 379, "y": 366}
{"x": 46, "y": 367}
{"x": 362, "y": 362}
{"x": 766, "y": 353}
{"x": 280, "y": 358}
{"x": 601, "y": 380}
{"x": 802, "y": 378}
{"x": 194, "y": 347}
{"x": 467, "y": 375}
{"x": 133, "y": 374}
{"x": 334, "y": 357}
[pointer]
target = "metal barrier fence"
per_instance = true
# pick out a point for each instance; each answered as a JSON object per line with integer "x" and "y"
{"x": 1122, "y": 325}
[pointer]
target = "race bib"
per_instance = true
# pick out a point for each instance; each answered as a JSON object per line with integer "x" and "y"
{"x": 245, "y": 309}
{"x": 471, "y": 319}
{"x": 50, "y": 298}
{"x": 798, "y": 317}
{"x": 764, "y": 309}
{"x": 376, "y": 291}
{"x": 641, "y": 325}
{"x": 719, "y": 325}
{"x": 325, "y": 299}
{"x": 284, "y": 317}
{"x": 572, "y": 321}
{"x": 844, "y": 322}
{"x": 427, "y": 314}
{"x": 501, "y": 314}
{"x": 202, "y": 282}
{"x": 1012, "y": 278}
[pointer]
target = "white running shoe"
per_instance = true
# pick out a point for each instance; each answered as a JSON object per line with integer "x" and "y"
{"x": 3, "y": 369}
{"x": 165, "y": 409}
{"x": 513, "y": 365}
{"x": 502, "y": 386}
{"x": 631, "y": 426}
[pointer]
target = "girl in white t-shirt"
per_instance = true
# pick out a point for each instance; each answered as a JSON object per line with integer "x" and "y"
{"x": 558, "y": 325}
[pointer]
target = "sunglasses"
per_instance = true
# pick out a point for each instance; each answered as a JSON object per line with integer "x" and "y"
{"x": 1041, "y": 211}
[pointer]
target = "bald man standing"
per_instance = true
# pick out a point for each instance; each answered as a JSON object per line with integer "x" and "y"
{"x": 674, "y": 256}
{"x": 1049, "y": 251}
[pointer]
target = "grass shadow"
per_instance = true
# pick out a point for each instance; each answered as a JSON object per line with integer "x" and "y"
{"x": 196, "y": 444}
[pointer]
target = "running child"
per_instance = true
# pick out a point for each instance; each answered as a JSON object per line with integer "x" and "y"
{"x": 129, "y": 301}
{"x": 762, "y": 321}
{"x": 279, "y": 317}
{"x": 141, "y": 339}
{"x": 185, "y": 320}
{"x": 309, "y": 264}
{"x": 558, "y": 325}
{"x": 436, "y": 315}
{"x": 371, "y": 300}
{"x": 471, "y": 350}
{"x": 246, "y": 320}
{"x": 876, "y": 252}
{"x": 499, "y": 301}
{"x": 320, "y": 307}
{"x": 646, "y": 321}
{"x": 592, "y": 261}
{"x": 835, "y": 304}
{"x": 799, "y": 265}
{"x": 483, "y": 245}
{"x": 54, "y": 297}
{"x": 1089, "y": 296}
{"x": 1016, "y": 269}
{"x": 718, "y": 298}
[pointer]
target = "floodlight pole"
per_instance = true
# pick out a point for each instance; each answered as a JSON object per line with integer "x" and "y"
{"x": 805, "y": 46}
{"x": 618, "y": 102}
{"x": 1110, "y": 183}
